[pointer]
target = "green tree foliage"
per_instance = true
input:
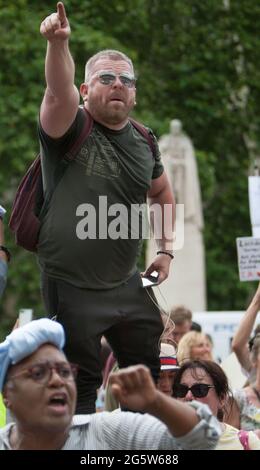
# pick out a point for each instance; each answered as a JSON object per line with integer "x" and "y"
{"x": 196, "y": 61}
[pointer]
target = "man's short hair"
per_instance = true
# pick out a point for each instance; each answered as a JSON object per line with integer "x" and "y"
{"x": 180, "y": 314}
{"x": 111, "y": 54}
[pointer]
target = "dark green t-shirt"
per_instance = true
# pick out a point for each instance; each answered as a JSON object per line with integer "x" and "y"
{"x": 91, "y": 234}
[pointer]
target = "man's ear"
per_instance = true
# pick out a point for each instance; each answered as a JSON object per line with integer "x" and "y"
{"x": 7, "y": 394}
{"x": 84, "y": 91}
{"x": 6, "y": 400}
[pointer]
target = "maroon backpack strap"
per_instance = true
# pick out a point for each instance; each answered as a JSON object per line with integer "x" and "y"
{"x": 145, "y": 133}
{"x": 86, "y": 130}
{"x": 244, "y": 439}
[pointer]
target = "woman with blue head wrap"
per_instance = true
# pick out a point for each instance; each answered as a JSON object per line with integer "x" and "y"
{"x": 39, "y": 390}
{"x": 38, "y": 385}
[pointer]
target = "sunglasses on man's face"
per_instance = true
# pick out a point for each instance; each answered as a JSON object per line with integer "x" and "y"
{"x": 108, "y": 78}
{"x": 197, "y": 390}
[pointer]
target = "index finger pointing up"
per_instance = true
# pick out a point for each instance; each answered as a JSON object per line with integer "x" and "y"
{"x": 61, "y": 11}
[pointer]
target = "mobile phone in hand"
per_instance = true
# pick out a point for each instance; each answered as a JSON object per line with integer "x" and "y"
{"x": 151, "y": 280}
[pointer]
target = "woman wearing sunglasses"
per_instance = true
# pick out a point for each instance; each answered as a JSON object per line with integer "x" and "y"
{"x": 206, "y": 382}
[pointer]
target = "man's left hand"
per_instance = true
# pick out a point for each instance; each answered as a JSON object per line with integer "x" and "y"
{"x": 161, "y": 264}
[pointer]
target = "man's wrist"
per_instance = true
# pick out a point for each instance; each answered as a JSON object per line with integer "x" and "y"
{"x": 165, "y": 252}
{"x": 165, "y": 245}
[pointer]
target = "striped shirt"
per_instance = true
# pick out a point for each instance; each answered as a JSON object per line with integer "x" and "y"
{"x": 125, "y": 430}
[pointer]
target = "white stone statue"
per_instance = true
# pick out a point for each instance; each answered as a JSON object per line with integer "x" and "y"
{"x": 180, "y": 165}
{"x": 186, "y": 282}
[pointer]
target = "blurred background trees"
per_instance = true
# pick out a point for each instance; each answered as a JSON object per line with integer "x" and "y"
{"x": 195, "y": 61}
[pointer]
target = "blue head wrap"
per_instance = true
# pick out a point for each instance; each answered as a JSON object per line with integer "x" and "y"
{"x": 22, "y": 342}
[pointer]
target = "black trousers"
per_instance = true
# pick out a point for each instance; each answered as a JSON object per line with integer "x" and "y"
{"x": 126, "y": 315}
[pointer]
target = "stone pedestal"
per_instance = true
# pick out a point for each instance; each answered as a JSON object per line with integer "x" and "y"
{"x": 186, "y": 283}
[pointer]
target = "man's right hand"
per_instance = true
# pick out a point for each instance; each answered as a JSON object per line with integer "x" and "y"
{"x": 56, "y": 26}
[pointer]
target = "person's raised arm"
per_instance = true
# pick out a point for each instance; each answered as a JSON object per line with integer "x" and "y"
{"x": 134, "y": 389}
{"x": 242, "y": 335}
{"x": 61, "y": 98}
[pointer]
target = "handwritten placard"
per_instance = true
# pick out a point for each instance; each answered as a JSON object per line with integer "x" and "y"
{"x": 248, "y": 250}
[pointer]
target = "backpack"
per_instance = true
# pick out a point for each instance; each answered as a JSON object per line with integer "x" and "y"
{"x": 30, "y": 203}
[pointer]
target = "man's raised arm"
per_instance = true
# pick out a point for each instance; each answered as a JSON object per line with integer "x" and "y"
{"x": 61, "y": 98}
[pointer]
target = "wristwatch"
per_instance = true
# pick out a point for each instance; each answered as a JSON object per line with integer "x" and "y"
{"x": 7, "y": 252}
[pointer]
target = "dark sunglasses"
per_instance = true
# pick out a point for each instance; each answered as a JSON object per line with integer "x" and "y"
{"x": 197, "y": 390}
{"x": 108, "y": 78}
